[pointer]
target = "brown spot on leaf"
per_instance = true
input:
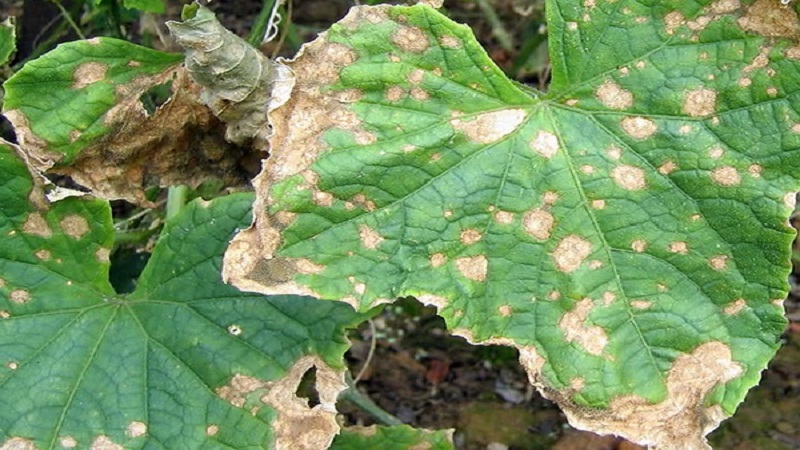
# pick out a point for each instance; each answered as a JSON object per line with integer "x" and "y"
{"x": 370, "y": 238}
{"x": 683, "y": 418}
{"x": 672, "y": 21}
{"x": 410, "y": 39}
{"x": 473, "y": 267}
{"x": 470, "y": 236}
{"x": 545, "y": 143}
{"x": 136, "y": 429}
{"x": 102, "y": 255}
{"x": 608, "y": 298}
{"x": 68, "y": 442}
{"x": 598, "y": 204}
{"x": 639, "y": 127}
{"x": 44, "y": 255}
{"x": 629, "y": 177}
{"x": 538, "y": 223}
{"x": 4, "y": 314}
{"x": 433, "y": 300}
{"x": 767, "y": 18}
{"x": 324, "y": 199}
{"x": 18, "y": 443}
{"x": 37, "y": 226}
{"x": 74, "y": 226}
{"x": 438, "y": 259}
{"x": 449, "y": 41}
{"x": 504, "y": 310}
{"x": 571, "y": 252}
{"x": 613, "y": 96}
{"x": 419, "y": 94}
{"x": 679, "y": 247}
{"x": 735, "y": 307}
{"x": 296, "y": 425}
{"x": 573, "y": 323}
{"x": 308, "y": 267}
{"x": 726, "y": 176}
{"x": 88, "y": 73}
{"x": 577, "y": 383}
{"x": 395, "y": 93}
{"x": 212, "y": 430}
{"x": 503, "y": 217}
{"x": 755, "y": 170}
{"x": 700, "y": 102}
{"x": 103, "y": 442}
{"x": 641, "y": 304}
{"x": 550, "y": 197}
{"x": 490, "y": 127}
{"x": 667, "y": 168}
{"x": 20, "y": 296}
{"x": 234, "y": 330}
{"x": 614, "y": 152}
{"x": 639, "y": 245}
{"x": 718, "y": 262}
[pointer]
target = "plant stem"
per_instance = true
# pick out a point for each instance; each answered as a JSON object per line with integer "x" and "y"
{"x": 116, "y": 18}
{"x": 176, "y": 200}
{"x": 499, "y": 31}
{"x": 261, "y": 24}
{"x": 364, "y": 403}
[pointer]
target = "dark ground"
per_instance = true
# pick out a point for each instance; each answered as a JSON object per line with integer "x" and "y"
{"x": 430, "y": 379}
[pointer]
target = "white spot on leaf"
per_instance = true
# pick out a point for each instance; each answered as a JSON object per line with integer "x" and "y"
{"x": 370, "y": 238}
{"x": 571, "y": 252}
{"x": 473, "y": 267}
{"x": 613, "y": 96}
{"x": 490, "y": 127}
{"x": 629, "y": 177}
{"x": 545, "y": 143}
{"x": 410, "y": 39}
{"x": 88, "y": 73}
{"x": 639, "y": 127}
{"x": 470, "y": 236}
{"x": 136, "y": 429}
{"x": 726, "y": 176}
{"x": 700, "y": 102}
{"x": 538, "y": 223}
{"x": 573, "y": 323}
{"x": 74, "y": 226}
{"x": 735, "y": 307}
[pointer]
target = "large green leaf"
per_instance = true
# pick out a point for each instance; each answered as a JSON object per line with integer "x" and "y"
{"x": 626, "y": 230}
{"x": 184, "y": 362}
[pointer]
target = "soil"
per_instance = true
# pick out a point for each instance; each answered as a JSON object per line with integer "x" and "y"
{"x": 427, "y": 378}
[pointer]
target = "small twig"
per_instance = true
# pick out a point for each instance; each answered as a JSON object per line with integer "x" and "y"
{"x": 68, "y": 18}
{"x": 373, "y": 340}
{"x": 498, "y": 29}
{"x": 284, "y": 31}
{"x": 176, "y": 200}
{"x": 364, "y": 403}
{"x": 261, "y": 24}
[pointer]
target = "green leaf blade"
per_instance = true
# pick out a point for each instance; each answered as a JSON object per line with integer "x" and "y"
{"x": 8, "y": 40}
{"x": 183, "y": 361}
{"x": 61, "y": 102}
{"x": 617, "y": 230}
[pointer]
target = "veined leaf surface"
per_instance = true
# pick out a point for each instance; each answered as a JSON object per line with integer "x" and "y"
{"x": 626, "y": 230}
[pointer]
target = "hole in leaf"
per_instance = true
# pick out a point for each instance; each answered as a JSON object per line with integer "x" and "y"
{"x": 307, "y": 388}
{"x": 156, "y": 96}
